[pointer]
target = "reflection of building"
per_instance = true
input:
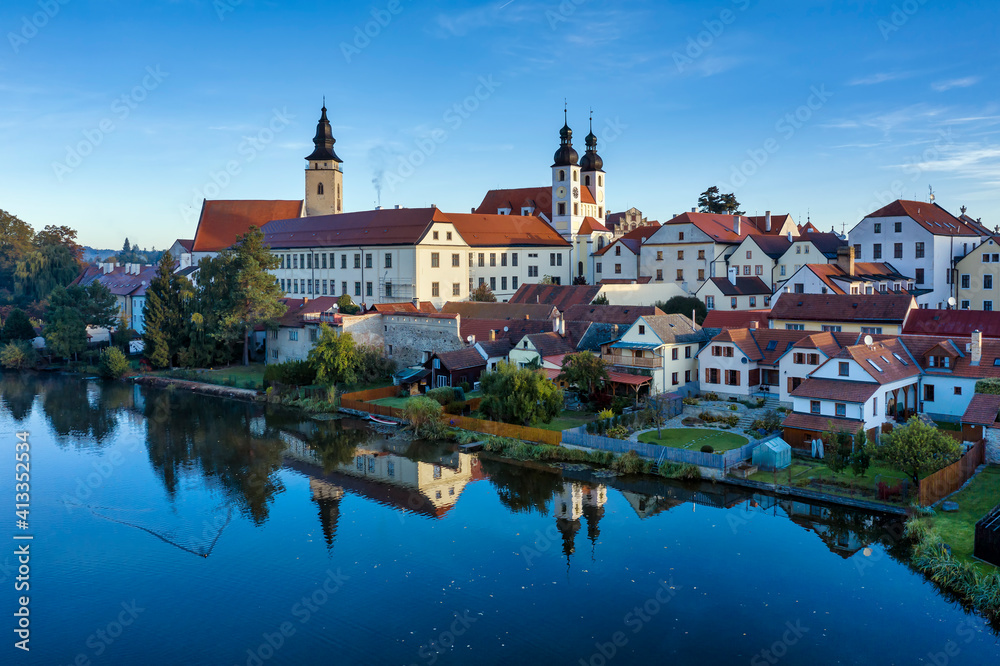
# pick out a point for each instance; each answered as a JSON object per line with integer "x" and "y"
{"x": 575, "y": 501}
{"x": 327, "y": 496}
{"x": 650, "y": 505}
{"x": 819, "y": 519}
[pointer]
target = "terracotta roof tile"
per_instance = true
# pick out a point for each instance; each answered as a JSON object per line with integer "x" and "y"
{"x": 886, "y": 361}
{"x": 590, "y": 225}
{"x": 297, "y": 309}
{"x": 875, "y": 308}
{"x": 561, "y": 296}
{"x": 745, "y": 286}
{"x": 538, "y": 198}
{"x": 982, "y": 409}
{"x": 516, "y": 328}
{"x": 728, "y": 319}
{"x": 480, "y": 230}
{"x": 460, "y": 359}
{"x": 610, "y": 314}
{"x": 550, "y": 344}
{"x": 721, "y": 227}
{"x": 222, "y": 221}
{"x": 835, "y": 389}
{"x": 818, "y": 423}
{"x": 477, "y": 310}
{"x": 953, "y": 323}
{"x": 930, "y": 216}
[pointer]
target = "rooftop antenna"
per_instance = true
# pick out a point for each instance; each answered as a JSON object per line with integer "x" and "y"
{"x": 930, "y": 194}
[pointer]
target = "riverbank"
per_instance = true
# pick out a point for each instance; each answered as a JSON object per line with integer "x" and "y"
{"x": 246, "y": 395}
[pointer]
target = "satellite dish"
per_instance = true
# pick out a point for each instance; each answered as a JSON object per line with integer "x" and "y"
{"x": 869, "y": 340}
{"x": 469, "y": 339}
{"x": 952, "y": 301}
{"x": 505, "y": 329}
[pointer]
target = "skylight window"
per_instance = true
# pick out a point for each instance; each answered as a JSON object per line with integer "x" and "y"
{"x": 885, "y": 359}
{"x": 996, "y": 362}
{"x": 772, "y": 345}
{"x": 873, "y": 364}
{"x": 900, "y": 358}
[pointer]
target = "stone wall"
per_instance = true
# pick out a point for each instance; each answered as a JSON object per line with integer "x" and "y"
{"x": 411, "y": 339}
{"x": 992, "y": 446}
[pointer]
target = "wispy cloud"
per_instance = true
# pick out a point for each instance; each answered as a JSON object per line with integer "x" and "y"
{"x": 963, "y": 82}
{"x": 460, "y": 24}
{"x": 880, "y": 77}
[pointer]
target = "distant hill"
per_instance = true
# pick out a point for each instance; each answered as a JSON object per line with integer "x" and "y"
{"x": 90, "y": 255}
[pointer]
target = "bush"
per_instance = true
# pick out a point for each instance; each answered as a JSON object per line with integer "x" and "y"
{"x": 707, "y": 449}
{"x": 605, "y": 414}
{"x": 991, "y": 386}
{"x": 442, "y": 395}
{"x": 293, "y": 373}
{"x": 113, "y": 364}
{"x": 466, "y": 387}
{"x": 618, "y": 432}
{"x": 591, "y": 427}
{"x": 620, "y": 404}
{"x": 18, "y": 355}
{"x": 710, "y": 396}
{"x": 628, "y": 463}
{"x": 735, "y": 408}
{"x": 459, "y": 393}
{"x": 680, "y": 471}
{"x": 424, "y": 417}
{"x": 690, "y": 401}
{"x": 768, "y": 422}
{"x": 455, "y": 407}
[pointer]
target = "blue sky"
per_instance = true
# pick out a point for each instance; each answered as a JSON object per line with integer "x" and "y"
{"x": 118, "y": 117}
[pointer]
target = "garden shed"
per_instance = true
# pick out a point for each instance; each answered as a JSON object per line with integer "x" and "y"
{"x": 772, "y": 455}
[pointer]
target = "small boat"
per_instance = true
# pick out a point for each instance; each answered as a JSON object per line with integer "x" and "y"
{"x": 382, "y": 421}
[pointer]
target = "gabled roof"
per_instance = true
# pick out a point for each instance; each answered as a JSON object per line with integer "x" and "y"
{"x": 721, "y": 228}
{"x": 408, "y": 306}
{"x": 297, "y": 309}
{"x": 835, "y": 389}
{"x": 988, "y": 366}
{"x": 886, "y": 360}
{"x": 930, "y": 216}
{"x": 745, "y": 286}
{"x": 516, "y": 328}
{"x": 118, "y": 281}
{"x": 478, "y": 310}
{"x": 590, "y": 225}
{"x": 728, "y": 319}
{"x": 875, "y": 308}
{"x": 479, "y": 230}
{"x": 630, "y": 244}
{"x": 549, "y": 344}
{"x": 538, "y": 198}
{"x": 461, "y": 359}
{"x": 950, "y": 323}
{"x": 826, "y": 242}
{"x": 982, "y": 409}
{"x": 495, "y": 348}
{"x": 819, "y": 423}
{"x": 829, "y": 343}
{"x": 675, "y": 328}
{"x": 763, "y": 345}
{"x": 187, "y": 244}
{"x": 772, "y": 246}
{"x": 222, "y": 221}
{"x": 610, "y": 314}
{"x": 561, "y": 296}
{"x": 832, "y": 275}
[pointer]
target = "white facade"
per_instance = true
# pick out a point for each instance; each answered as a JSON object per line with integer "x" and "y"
{"x": 672, "y": 365}
{"x": 698, "y": 252}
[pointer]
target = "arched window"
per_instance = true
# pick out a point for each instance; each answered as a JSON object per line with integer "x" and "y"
{"x": 562, "y": 175}
{"x": 580, "y": 268}
{"x": 600, "y": 242}
{"x": 319, "y": 189}
{"x": 600, "y": 180}
{"x": 576, "y": 176}
{"x": 586, "y": 180}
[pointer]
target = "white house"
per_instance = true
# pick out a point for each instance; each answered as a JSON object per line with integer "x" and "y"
{"x": 663, "y": 347}
{"x": 735, "y": 293}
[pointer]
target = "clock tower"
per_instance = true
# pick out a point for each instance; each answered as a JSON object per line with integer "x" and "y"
{"x": 592, "y": 173}
{"x": 567, "y": 211}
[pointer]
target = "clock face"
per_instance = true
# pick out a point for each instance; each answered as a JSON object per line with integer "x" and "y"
{"x": 576, "y": 192}
{"x": 600, "y": 196}
{"x": 561, "y": 193}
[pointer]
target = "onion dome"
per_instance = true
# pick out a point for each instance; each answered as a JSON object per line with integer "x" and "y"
{"x": 324, "y": 141}
{"x": 565, "y": 156}
{"x": 591, "y": 160}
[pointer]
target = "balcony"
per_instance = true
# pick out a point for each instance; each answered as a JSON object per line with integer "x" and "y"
{"x": 633, "y": 361}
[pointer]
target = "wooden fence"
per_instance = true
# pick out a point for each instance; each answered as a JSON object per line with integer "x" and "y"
{"x": 987, "y": 543}
{"x": 659, "y": 453}
{"x": 946, "y": 481}
{"x": 372, "y": 394}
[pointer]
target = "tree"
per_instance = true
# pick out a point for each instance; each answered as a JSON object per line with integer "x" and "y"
{"x": 580, "y": 280}
{"x": 95, "y": 304}
{"x": 61, "y": 236}
{"x": 42, "y": 270}
{"x": 18, "y": 355}
{"x": 126, "y": 248}
{"x": 685, "y": 305}
{"x": 424, "y": 417}
{"x": 16, "y": 238}
{"x": 113, "y": 364}
{"x": 519, "y": 395}
{"x": 585, "y": 372}
{"x": 65, "y": 331}
{"x": 17, "y": 327}
{"x": 916, "y": 448}
{"x": 654, "y": 412}
{"x": 711, "y": 201}
{"x": 256, "y": 296}
{"x": 837, "y": 449}
{"x": 346, "y": 306}
{"x": 602, "y": 299}
{"x": 482, "y": 294}
{"x": 335, "y": 357}
{"x": 547, "y": 279}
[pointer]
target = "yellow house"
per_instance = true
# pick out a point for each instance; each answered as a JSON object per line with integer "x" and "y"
{"x": 978, "y": 282}
{"x": 848, "y": 313}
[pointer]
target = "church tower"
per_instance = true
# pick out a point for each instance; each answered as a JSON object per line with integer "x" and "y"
{"x": 324, "y": 178}
{"x": 592, "y": 172}
{"x": 567, "y": 212}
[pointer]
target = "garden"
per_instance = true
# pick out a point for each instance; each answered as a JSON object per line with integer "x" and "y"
{"x": 706, "y": 441}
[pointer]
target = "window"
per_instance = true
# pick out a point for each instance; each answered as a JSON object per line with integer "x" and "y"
{"x": 493, "y": 258}
{"x": 513, "y": 283}
{"x": 716, "y": 350}
{"x": 618, "y": 250}
{"x": 436, "y": 235}
{"x": 986, "y": 258}
{"x": 798, "y": 359}
{"x": 274, "y": 353}
{"x": 711, "y": 375}
{"x": 701, "y": 254}
{"x": 840, "y": 409}
{"x": 503, "y": 283}
{"x": 857, "y": 252}
{"x": 447, "y": 235}
{"x": 388, "y": 289}
{"x": 435, "y": 289}
{"x": 513, "y": 259}
{"x": 781, "y": 270}
{"x": 814, "y": 406}
{"x": 753, "y": 301}
{"x": 732, "y": 302}
{"x": 899, "y": 227}
{"x": 701, "y": 274}
{"x": 674, "y": 354}
{"x": 503, "y": 258}
{"x": 343, "y": 287}
{"x": 813, "y": 359}
{"x": 642, "y": 330}
{"x": 727, "y": 351}
{"x": 435, "y": 260}
{"x": 919, "y": 250}
{"x": 878, "y": 227}
{"x": 871, "y": 330}
{"x": 674, "y": 379}
{"x": 966, "y": 281}
{"x": 958, "y": 390}
{"x": 493, "y": 284}
{"x": 732, "y": 377}
{"x": 988, "y": 306}
{"x": 357, "y": 288}
{"x": 710, "y": 302}
{"x": 844, "y": 369}
{"x": 343, "y": 261}
{"x": 877, "y": 251}
{"x": 680, "y": 274}
{"x": 687, "y": 376}
{"x": 282, "y": 284}
{"x": 481, "y": 258}
{"x": 368, "y": 260}
{"x": 680, "y": 236}
{"x": 687, "y": 352}
{"x": 576, "y": 207}
{"x": 456, "y": 260}
{"x": 598, "y": 267}
{"x": 746, "y": 270}
{"x": 795, "y": 327}
{"x": 928, "y": 392}
{"x": 758, "y": 269}
{"x": 532, "y": 271}
{"x": 562, "y": 174}
{"x": 987, "y": 282}
{"x": 357, "y": 261}
{"x": 966, "y": 305}
{"x": 562, "y": 208}
{"x": 618, "y": 269}
{"x": 368, "y": 289}
{"x": 659, "y": 255}
{"x": 831, "y": 328}
{"x": 897, "y": 250}
{"x": 324, "y": 259}
{"x": 388, "y": 260}
{"x": 680, "y": 254}
{"x": 919, "y": 275}
{"x": 293, "y": 335}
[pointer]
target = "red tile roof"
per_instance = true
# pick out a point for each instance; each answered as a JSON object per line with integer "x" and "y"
{"x": 631, "y": 244}
{"x": 885, "y": 354}
{"x": 721, "y": 228}
{"x": 918, "y": 345}
{"x": 505, "y": 230}
{"x": 550, "y": 344}
{"x": 835, "y": 389}
{"x": 186, "y": 244}
{"x": 863, "y": 272}
{"x": 516, "y": 328}
{"x": 561, "y": 296}
{"x": 408, "y": 306}
{"x": 626, "y": 378}
{"x": 729, "y": 319}
{"x": 477, "y": 310}
{"x": 982, "y": 409}
{"x": 610, "y": 314}
{"x": 818, "y": 423}
{"x": 874, "y": 308}
{"x": 538, "y": 198}
{"x": 460, "y": 359}
{"x": 745, "y": 286}
{"x": 297, "y": 309}
{"x": 953, "y": 323}
{"x": 118, "y": 281}
{"x": 498, "y": 347}
{"x": 586, "y": 196}
{"x": 642, "y": 279}
{"x": 930, "y": 216}
{"x": 590, "y": 225}
{"x": 756, "y": 343}
{"x": 222, "y": 221}
{"x": 826, "y": 242}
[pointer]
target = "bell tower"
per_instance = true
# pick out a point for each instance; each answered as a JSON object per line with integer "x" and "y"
{"x": 324, "y": 177}
{"x": 567, "y": 213}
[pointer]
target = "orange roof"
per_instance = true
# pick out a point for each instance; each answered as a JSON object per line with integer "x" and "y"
{"x": 590, "y": 225}
{"x": 538, "y": 198}
{"x": 722, "y": 228}
{"x": 930, "y": 216}
{"x": 886, "y": 361}
{"x": 586, "y": 196}
{"x": 222, "y": 221}
{"x": 504, "y": 230}
{"x": 625, "y": 378}
{"x": 728, "y": 319}
{"x": 863, "y": 272}
{"x": 982, "y": 409}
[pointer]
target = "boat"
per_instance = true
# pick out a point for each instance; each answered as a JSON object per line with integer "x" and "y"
{"x": 382, "y": 421}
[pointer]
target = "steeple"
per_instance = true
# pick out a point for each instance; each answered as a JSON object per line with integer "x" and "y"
{"x": 324, "y": 140}
{"x": 591, "y": 160}
{"x": 565, "y": 156}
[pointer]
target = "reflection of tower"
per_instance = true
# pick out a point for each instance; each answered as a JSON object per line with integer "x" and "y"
{"x": 568, "y": 506}
{"x": 328, "y": 497}
{"x": 594, "y": 500}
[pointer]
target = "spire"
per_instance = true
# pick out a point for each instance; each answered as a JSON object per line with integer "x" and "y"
{"x": 324, "y": 140}
{"x": 591, "y": 160}
{"x": 565, "y": 156}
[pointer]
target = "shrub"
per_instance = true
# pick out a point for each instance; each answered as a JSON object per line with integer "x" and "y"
{"x": 459, "y": 393}
{"x": 113, "y": 364}
{"x": 618, "y": 432}
{"x": 620, "y": 404}
{"x": 442, "y": 395}
{"x": 466, "y": 387}
{"x": 424, "y": 417}
{"x": 18, "y": 355}
{"x": 735, "y": 408}
{"x": 605, "y": 414}
{"x": 710, "y": 396}
{"x": 991, "y": 386}
{"x": 628, "y": 463}
{"x": 455, "y": 407}
{"x": 707, "y": 449}
{"x": 591, "y": 427}
{"x": 690, "y": 401}
{"x": 768, "y": 422}
{"x": 293, "y": 373}
{"x": 679, "y": 471}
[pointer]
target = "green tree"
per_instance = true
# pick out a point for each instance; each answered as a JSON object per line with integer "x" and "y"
{"x": 113, "y": 364}
{"x": 18, "y": 355}
{"x": 602, "y": 299}
{"x": 711, "y": 201}
{"x": 61, "y": 236}
{"x": 519, "y": 395}
{"x": 585, "y": 372}
{"x": 335, "y": 357}
{"x": 65, "y": 330}
{"x": 164, "y": 326}
{"x": 346, "y": 306}
{"x": 256, "y": 296}
{"x": 837, "y": 449}
{"x": 16, "y": 237}
{"x": 917, "y": 448}
{"x": 43, "y": 269}
{"x": 483, "y": 294}
{"x": 17, "y": 327}
{"x": 126, "y": 248}
{"x": 122, "y": 334}
{"x": 97, "y": 304}
{"x": 424, "y": 418}
{"x": 685, "y": 305}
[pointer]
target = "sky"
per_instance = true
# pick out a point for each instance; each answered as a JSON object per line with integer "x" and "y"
{"x": 118, "y": 118}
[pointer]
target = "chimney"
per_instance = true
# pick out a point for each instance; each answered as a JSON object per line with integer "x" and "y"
{"x": 472, "y": 341}
{"x": 736, "y": 224}
{"x": 977, "y": 347}
{"x": 416, "y": 303}
{"x": 493, "y": 335}
{"x": 473, "y": 210}
{"x": 789, "y": 236}
{"x": 694, "y": 209}
{"x": 397, "y": 206}
{"x": 767, "y": 221}
{"x": 378, "y": 207}
{"x": 732, "y": 274}
{"x": 753, "y": 323}
{"x": 845, "y": 259}
{"x": 304, "y": 300}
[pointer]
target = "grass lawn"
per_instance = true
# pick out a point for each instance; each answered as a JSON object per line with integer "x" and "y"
{"x": 568, "y": 419}
{"x": 695, "y": 438}
{"x": 958, "y": 529}
{"x": 234, "y": 375}
{"x": 399, "y": 403}
{"x": 804, "y": 471}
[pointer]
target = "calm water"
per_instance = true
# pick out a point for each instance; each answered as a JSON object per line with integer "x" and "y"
{"x": 179, "y": 529}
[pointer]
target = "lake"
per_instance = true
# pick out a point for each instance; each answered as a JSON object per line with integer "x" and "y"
{"x": 171, "y": 528}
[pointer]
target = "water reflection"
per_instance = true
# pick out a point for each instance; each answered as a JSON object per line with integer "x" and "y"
{"x": 81, "y": 412}
{"x": 17, "y": 394}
